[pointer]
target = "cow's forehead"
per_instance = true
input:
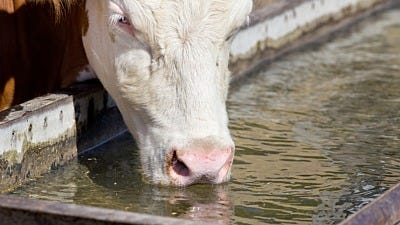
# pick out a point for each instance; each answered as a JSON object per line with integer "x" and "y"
{"x": 218, "y": 6}
{"x": 217, "y": 16}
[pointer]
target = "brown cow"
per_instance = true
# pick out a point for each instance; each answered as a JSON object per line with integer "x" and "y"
{"x": 40, "y": 49}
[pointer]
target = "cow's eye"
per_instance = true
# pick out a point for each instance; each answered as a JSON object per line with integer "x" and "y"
{"x": 121, "y": 23}
{"x": 123, "y": 20}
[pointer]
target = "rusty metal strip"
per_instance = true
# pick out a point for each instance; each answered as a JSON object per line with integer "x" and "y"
{"x": 18, "y": 211}
{"x": 384, "y": 210}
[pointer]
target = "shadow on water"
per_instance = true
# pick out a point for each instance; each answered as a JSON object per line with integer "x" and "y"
{"x": 317, "y": 137}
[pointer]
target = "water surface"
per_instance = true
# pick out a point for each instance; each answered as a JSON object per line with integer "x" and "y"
{"x": 317, "y": 137}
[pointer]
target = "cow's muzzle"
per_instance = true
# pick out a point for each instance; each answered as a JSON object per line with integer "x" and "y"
{"x": 199, "y": 163}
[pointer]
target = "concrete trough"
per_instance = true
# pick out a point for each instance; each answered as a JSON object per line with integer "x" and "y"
{"x": 282, "y": 26}
{"x": 44, "y": 133}
{"x": 47, "y": 132}
{"x": 36, "y": 136}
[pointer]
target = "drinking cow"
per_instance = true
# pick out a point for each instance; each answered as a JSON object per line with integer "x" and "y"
{"x": 164, "y": 62}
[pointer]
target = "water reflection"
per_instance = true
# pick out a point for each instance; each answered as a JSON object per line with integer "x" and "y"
{"x": 317, "y": 137}
{"x": 325, "y": 139}
{"x": 110, "y": 177}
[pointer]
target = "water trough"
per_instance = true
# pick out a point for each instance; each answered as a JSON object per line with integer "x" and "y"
{"x": 47, "y": 132}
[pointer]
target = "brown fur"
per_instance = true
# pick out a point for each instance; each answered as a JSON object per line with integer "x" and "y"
{"x": 40, "y": 47}
{"x": 59, "y": 7}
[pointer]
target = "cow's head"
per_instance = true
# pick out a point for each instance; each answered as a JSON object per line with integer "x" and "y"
{"x": 165, "y": 62}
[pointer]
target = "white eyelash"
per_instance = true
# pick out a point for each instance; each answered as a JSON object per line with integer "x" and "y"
{"x": 114, "y": 19}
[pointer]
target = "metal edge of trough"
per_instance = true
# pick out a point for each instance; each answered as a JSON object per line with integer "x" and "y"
{"x": 385, "y": 210}
{"x": 84, "y": 104}
{"x": 19, "y": 211}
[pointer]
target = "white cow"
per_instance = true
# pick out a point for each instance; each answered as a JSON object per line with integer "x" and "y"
{"x": 165, "y": 63}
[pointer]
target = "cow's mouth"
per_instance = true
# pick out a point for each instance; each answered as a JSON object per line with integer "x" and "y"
{"x": 178, "y": 166}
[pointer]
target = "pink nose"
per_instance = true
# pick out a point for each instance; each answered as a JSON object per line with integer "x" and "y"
{"x": 200, "y": 164}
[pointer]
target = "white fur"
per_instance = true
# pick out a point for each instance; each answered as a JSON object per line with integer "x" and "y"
{"x": 167, "y": 71}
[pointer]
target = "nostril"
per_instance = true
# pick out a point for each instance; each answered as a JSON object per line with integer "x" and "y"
{"x": 178, "y": 166}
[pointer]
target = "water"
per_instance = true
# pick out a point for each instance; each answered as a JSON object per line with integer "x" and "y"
{"x": 317, "y": 137}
